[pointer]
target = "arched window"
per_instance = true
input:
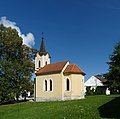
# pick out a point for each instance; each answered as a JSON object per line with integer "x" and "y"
{"x": 67, "y": 85}
{"x": 50, "y": 85}
{"x": 45, "y": 85}
{"x": 39, "y": 64}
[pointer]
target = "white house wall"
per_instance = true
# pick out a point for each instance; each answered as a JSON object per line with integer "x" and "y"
{"x": 93, "y": 81}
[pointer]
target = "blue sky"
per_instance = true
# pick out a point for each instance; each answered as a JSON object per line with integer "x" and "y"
{"x": 81, "y": 31}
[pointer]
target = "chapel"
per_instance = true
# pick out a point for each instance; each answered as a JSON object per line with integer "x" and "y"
{"x": 56, "y": 81}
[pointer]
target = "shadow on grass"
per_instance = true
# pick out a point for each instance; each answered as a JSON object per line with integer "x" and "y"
{"x": 110, "y": 109}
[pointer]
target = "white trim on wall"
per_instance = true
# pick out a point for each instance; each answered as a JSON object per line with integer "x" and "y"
{"x": 44, "y": 86}
{"x": 48, "y": 85}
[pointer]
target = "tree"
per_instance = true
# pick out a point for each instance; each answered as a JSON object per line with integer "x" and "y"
{"x": 10, "y": 52}
{"x": 114, "y": 68}
{"x": 16, "y": 66}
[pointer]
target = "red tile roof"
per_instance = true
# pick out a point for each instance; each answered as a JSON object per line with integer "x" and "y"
{"x": 57, "y": 68}
{"x": 73, "y": 69}
{"x": 51, "y": 68}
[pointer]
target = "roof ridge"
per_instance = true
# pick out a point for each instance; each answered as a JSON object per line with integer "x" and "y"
{"x": 59, "y": 62}
{"x": 72, "y": 68}
{"x": 74, "y": 65}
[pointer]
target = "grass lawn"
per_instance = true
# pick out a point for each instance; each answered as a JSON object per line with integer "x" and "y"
{"x": 92, "y": 107}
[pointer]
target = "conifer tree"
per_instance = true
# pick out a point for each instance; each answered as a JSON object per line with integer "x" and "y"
{"x": 114, "y": 68}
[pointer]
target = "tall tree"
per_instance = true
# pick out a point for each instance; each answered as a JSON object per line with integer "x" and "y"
{"x": 16, "y": 66}
{"x": 28, "y": 69}
{"x": 114, "y": 68}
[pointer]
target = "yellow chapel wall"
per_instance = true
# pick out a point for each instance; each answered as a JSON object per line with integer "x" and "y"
{"x": 66, "y": 94}
{"x": 55, "y": 94}
{"x": 76, "y": 86}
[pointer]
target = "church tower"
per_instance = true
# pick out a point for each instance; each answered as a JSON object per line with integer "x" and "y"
{"x": 42, "y": 57}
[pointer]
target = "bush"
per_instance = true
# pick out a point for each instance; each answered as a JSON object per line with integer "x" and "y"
{"x": 89, "y": 91}
{"x": 100, "y": 90}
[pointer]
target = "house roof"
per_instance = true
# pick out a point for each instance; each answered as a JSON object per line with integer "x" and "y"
{"x": 102, "y": 79}
{"x": 95, "y": 81}
{"x": 73, "y": 69}
{"x": 58, "y": 67}
{"x": 52, "y": 68}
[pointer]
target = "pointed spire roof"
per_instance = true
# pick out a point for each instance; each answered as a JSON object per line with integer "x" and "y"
{"x": 42, "y": 47}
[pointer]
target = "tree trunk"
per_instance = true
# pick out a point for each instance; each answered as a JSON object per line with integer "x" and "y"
{"x": 17, "y": 97}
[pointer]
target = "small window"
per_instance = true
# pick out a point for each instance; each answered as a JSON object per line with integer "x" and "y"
{"x": 68, "y": 85}
{"x": 39, "y": 64}
{"x": 50, "y": 85}
{"x": 45, "y": 85}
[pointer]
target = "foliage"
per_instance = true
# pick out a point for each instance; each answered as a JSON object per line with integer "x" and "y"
{"x": 100, "y": 90}
{"x": 114, "y": 69}
{"x": 16, "y": 66}
{"x": 75, "y": 109}
{"x": 89, "y": 91}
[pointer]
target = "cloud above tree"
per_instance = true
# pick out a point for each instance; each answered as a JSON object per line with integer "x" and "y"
{"x": 28, "y": 39}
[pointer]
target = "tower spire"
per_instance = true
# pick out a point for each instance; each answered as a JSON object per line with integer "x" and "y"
{"x": 42, "y": 57}
{"x": 42, "y": 35}
{"x": 42, "y": 47}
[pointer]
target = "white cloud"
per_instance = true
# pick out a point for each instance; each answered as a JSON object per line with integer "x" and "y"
{"x": 28, "y": 39}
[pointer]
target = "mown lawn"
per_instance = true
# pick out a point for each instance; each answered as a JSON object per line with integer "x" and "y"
{"x": 89, "y": 108}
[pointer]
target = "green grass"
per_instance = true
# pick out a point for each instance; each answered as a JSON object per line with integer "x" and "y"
{"x": 76, "y": 109}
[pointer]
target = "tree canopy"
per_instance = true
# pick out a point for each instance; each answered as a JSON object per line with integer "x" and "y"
{"x": 114, "y": 68}
{"x": 16, "y": 65}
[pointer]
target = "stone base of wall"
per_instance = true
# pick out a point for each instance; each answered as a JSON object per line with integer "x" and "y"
{"x": 41, "y": 99}
{"x": 74, "y": 97}
{"x": 77, "y": 97}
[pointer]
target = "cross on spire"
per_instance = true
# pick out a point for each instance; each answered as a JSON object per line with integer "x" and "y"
{"x": 42, "y": 35}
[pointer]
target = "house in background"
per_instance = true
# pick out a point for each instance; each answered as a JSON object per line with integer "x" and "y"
{"x": 95, "y": 81}
{"x": 57, "y": 81}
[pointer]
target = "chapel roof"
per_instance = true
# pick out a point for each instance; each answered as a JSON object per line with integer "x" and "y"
{"x": 52, "y": 68}
{"x": 73, "y": 69}
{"x": 58, "y": 67}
